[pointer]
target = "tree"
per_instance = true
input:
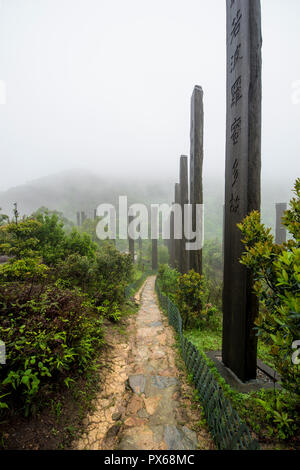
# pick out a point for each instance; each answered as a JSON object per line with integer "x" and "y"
{"x": 3, "y": 218}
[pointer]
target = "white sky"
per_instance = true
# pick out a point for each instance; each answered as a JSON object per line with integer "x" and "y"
{"x": 106, "y": 84}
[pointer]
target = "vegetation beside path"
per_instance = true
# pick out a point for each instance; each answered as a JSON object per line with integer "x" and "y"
{"x": 59, "y": 290}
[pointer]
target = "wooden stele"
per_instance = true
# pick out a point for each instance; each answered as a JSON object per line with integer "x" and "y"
{"x": 184, "y": 199}
{"x": 280, "y": 229}
{"x": 177, "y": 242}
{"x": 242, "y": 181}
{"x": 172, "y": 240}
{"x": 131, "y": 240}
{"x": 154, "y": 255}
{"x": 196, "y": 168}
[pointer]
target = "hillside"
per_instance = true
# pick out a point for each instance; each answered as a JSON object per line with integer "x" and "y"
{"x": 78, "y": 190}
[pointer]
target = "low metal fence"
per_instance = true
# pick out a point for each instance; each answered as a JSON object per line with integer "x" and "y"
{"x": 131, "y": 289}
{"x": 228, "y": 432}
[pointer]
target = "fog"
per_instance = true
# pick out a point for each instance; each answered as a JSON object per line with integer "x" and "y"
{"x": 105, "y": 85}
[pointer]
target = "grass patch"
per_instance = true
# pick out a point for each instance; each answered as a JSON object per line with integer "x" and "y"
{"x": 205, "y": 340}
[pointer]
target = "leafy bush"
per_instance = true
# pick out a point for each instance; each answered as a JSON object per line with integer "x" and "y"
{"x": 103, "y": 277}
{"x": 54, "y": 293}
{"x": 48, "y": 335}
{"x": 113, "y": 272}
{"x": 26, "y": 269}
{"x": 190, "y": 292}
{"x": 167, "y": 278}
{"x": 20, "y": 240}
{"x": 80, "y": 243}
{"x": 276, "y": 272}
{"x": 190, "y": 296}
{"x": 77, "y": 271}
{"x": 279, "y": 414}
{"x": 44, "y": 237}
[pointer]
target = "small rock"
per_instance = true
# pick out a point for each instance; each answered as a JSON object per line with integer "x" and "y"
{"x": 113, "y": 431}
{"x": 180, "y": 439}
{"x": 142, "y": 413}
{"x": 116, "y": 416}
{"x": 151, "y": 404}
{"x": 134, "y": 422}
{"x": 156, "y": 323}
{"x": 137, "y": 383}
{"x": 135, "y": 405}
{"x": 164, "y": 382}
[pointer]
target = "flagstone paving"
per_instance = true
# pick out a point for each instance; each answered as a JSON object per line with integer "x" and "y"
{"x": 146, "y": 402}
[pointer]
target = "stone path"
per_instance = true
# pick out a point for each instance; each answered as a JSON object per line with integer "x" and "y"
{"x": 146, "y": 402}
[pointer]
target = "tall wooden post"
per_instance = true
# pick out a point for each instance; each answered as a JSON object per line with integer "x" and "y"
{"x": 131, "y": 240}
{"x": 184, "y": 199}
{"x": 242, "y": 181}
{"x": 172, "y": 240}
{"x": 280, "y": 229}
{"x": 177, "y": 243}
{"x": 154, "y": 255}
{"x": 196, "y": 167}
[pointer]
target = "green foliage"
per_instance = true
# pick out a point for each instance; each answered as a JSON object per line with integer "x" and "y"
{"x": 114, "y": 272}
{"x": 103, "y": 277}
{"x": 20, "y": 240}
{"x": 191, "y": 293}
{"x": 44, "y": 237}
{"x": 163, "y": 254}
{"x": 213, "y": 259}
{"x": 110, "y": 310}
{"x": 80, "y": 243}
{"x": 206, "y": 339}
{"x": 276, "y": 273}
{"x": 54, "y": 293}
{"x": 26, "y": 269}
{"x": 3, "y": 218}
{"x": 279, "y": 414}
{"x": 213, "y": 270}
{"x": 167, "y": 279}
{"x": 89, "y": 226}
{"x": 47, "y": 335}
{"x": 67, "y": 224}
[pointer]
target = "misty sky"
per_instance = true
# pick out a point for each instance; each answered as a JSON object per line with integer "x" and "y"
{"x": 105, "y": 85}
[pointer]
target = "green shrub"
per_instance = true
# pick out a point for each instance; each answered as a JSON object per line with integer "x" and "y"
{"x": 113, "y": 271}
{"x": 26, "y": 269}
{"x": 20, "y": 240}
{"x": 79, "y": 243}
{"x": 54, "y": 293}
{"x": 167, "y": 278}
{"x": 276, "y": 272}
{"x": 48, "y": 336}
{"x": 191, "y": 298}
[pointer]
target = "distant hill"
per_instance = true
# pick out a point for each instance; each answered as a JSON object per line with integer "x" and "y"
{"x": 78, "y": 190}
